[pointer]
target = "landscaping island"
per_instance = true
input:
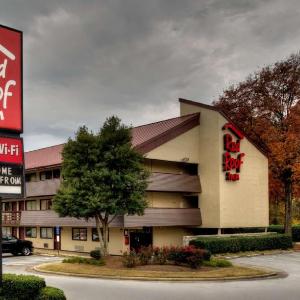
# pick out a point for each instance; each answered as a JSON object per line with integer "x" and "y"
{"x": 113, "y": 268}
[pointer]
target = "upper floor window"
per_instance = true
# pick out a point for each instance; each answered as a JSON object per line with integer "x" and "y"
{"x": 56, "y": 173}
{"x": 45, "y": 175}
{"x": 46, "y": 204}
{"x": 31, "y": 205}
{"x": 50, "y": 174}
{"x": 30, "y": 177}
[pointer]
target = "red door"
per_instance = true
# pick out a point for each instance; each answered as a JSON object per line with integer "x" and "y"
{"x": 14, "y": 206}
{"x": 21, "y": 233}
{"x": 14, "y": 231}
{"x": 21, "y": 205}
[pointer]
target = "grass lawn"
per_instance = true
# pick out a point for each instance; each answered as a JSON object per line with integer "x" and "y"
{"x": 114, "y": 268}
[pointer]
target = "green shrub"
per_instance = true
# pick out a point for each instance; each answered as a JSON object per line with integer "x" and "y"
{"x": 189, "y": 255}
{"x": 280, "y": 229}
{"x": 130, "y": 259}
{"x": 96, "y": 254}
{"x": 243, "y": 243}
{"x": 145, "y": 255}
{"x": 83, "y": 260}
{"x": 51, "y": 293}
{"x": 217, "y": 263}
{"x": 22, "y": 287}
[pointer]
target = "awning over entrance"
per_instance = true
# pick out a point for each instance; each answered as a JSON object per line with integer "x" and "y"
{"x": 152, "y": 217}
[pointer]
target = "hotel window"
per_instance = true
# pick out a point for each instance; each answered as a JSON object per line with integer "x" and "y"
{"x": 31, "y": 205}
{"x": 95, "y": 236}
{"x": 46, "y": 204}
{"x": 30, "y": 177}
{"x": 46, "y": 233}
{"x": 30, "y": 232}
{"x": 46, "y": 175}
{"x": 56, "y": 173}
{"x": 6, "y": 231}
{"x": 79, "y": 234}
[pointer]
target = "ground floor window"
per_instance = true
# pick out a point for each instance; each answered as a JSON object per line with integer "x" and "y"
{"x": 6, "y": 231}
{"x": 30, "y": 232}
{"x": 95, "y": 236}
{"x": 46, "y": 232}
{"x": 79, "y": 234}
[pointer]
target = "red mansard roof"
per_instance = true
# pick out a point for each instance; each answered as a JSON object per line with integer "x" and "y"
{"x": 144, "y": 138}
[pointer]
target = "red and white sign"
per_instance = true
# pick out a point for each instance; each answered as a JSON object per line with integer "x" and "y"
{"x": 232, "y": 158}
{"x": 11, "y": 80}
{"x": 11, "y": 150}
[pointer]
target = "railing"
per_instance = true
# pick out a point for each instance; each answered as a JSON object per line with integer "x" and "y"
{"x": 11, "y": 217}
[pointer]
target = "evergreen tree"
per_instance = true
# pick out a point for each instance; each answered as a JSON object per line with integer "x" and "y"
{"x": 103, "y": 177}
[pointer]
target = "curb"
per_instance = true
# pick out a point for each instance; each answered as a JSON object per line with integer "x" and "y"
{"x": 270, "y": 274}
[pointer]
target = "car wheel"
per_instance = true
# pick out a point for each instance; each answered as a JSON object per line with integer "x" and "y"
{"x": 26, "y": 251}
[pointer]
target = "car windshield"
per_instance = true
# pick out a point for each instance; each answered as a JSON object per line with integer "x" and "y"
{"x": 8, "y": 237}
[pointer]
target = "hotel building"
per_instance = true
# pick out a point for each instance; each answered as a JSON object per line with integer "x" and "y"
{"x": 206, "y": 177}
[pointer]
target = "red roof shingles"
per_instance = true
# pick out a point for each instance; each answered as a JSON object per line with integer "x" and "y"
{"x": 144, "y": 133}
{"x": 44, "y": 157}
{"x": 144, "y": 139}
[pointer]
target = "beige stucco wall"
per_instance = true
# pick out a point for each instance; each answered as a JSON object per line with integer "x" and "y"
{"x": 167, "y": 200}
{"x": 209, "y": 164}
{"x": 182, "y": 147}
{"x": 115, "y": 245}
{"x": 168, "y": 236}
{"x": 243, "y": 203}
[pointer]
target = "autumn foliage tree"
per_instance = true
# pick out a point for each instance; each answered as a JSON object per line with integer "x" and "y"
{"x": 267, "y": 107}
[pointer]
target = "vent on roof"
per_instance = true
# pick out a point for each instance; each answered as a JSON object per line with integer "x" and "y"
{"x": 79, "y": 248}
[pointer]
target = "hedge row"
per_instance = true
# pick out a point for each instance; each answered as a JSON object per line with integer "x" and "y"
{"x": 243, "y": 243}
{"x": 25, "y": 287}
{"x": 280, "y": 229}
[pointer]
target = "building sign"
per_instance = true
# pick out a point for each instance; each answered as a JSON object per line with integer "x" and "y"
{"x": 11, "y": 80}
{"x": 11, "y": 179}
{"x": 11, "y": 150}
{"x": 232, "y": 158}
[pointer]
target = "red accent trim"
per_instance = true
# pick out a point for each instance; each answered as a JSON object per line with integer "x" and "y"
{"x": 233, "y": 129}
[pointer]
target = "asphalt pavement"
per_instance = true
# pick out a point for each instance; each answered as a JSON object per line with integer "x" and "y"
{"x": 77, "y": 288}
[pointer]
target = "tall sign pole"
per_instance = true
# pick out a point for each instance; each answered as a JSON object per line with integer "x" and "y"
{"x": 11, "y": 119}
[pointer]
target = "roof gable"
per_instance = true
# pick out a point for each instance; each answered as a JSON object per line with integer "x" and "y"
{"x": 207, "y": 106}
{"x": 144, "y": 139}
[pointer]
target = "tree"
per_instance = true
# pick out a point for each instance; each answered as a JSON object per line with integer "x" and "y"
{"x": 103, "y": 177}
{"x": 267, "y": 107}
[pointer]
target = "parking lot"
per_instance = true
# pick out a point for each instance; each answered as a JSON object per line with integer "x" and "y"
{"x": 88, "y": 288}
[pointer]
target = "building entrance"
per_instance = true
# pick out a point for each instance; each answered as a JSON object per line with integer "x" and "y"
{"x": 140, "y": 238}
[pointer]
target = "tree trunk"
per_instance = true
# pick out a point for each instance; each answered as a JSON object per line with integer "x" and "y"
{"x": 98, "y": 227}
{"x": 288, "y": 207}
{"x": 105, "y": 238}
